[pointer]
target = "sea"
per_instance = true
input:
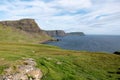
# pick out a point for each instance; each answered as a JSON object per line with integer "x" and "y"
{"x": 92, "y": 43}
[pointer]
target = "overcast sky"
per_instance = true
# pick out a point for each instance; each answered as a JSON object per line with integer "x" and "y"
{"x": 88, "y": 16}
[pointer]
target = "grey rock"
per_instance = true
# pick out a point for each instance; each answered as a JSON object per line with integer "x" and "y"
{"x": 117, "y": 52}
{"x": 24, "y": 71}
{"x": 55, "y": 33}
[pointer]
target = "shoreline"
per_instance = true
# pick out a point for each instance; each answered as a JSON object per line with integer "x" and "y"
{"x": 50, "y": 40}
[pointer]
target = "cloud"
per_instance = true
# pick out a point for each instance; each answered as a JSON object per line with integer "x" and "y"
{"x": 73, "y": 5}
{"x": 89, "y": 16}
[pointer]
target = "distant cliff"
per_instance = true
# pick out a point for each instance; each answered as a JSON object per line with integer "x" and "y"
{"x": 27, "y": 28}
{"x": 76, "y": 33}
{"x": 54, "y": 33}
{"x": 58, "y": 33}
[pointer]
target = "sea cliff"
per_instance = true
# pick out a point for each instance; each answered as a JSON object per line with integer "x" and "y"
{"x": 24, "y": 30}
{"x": 55, "y": 33}
{"x": 76, "y": 33}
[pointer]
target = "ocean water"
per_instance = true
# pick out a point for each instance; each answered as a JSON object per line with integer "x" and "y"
{"x": 93, "y": 43}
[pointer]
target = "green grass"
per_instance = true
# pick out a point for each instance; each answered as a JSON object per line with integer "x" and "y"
{"x": 74, "y": 65}
{"x": 10, "y": 34}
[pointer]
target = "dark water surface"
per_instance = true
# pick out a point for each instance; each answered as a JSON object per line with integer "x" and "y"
{"x": 93, "y": 43}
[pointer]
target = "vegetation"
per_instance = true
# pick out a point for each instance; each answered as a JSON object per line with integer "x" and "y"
{"x": 56, "y": 63}
{"x": 10, "y": 34}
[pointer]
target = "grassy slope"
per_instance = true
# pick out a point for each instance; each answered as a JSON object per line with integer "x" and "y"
{"x": 73, "y": 65}
{"x": 8, "y": 34}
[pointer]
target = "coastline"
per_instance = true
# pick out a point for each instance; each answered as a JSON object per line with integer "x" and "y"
{"x": 50, "y": 40}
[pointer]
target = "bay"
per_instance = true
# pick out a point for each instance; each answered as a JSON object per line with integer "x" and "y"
{"x": 93, "y": 43}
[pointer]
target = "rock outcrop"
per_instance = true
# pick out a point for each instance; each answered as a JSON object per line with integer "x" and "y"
{"x": 117, "y": 52}
{"x": 24, "y": 71}
{"x": 27, "y": 25}
{"x": 76, "y": 33}
{"x": 55, "y": 33}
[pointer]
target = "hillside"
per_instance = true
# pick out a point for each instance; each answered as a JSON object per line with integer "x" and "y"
{"x": 25, "y": 30}
{"x": 58, "y": 64}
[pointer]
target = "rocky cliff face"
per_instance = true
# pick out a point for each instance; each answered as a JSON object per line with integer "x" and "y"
{"x": 24, "y": 30}
{"x": 117, "y": 52}
{"x": 76, "y": 33}
{"x": 54, "y": 33}
{"x": 27, "y": 25}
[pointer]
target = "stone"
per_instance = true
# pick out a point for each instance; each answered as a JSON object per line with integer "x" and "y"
{"x": 49, "y": 58}
{"x": 117, "y": 53}
{"x": 59, "y": 62}
{"x": 24, "y": 71}
{"x": 36, "y": 74}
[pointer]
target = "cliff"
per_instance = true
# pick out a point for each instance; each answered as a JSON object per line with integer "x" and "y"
{"x": 76, "y": 33}
{"x": 27, "y": 25}
{"x": 22, "y": 30}
{"x": 55, "y": 33}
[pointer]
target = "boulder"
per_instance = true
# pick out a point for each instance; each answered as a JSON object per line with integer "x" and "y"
{"x": 117, "y": 53}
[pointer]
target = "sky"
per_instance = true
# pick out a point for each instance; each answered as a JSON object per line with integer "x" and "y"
{"x": 88, "y": 16}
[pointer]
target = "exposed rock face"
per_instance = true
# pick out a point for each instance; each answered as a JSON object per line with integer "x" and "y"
{"x": 76, "y": 33}
{"x": 117, "y": 53}
{"x": 55, "y": 33}
{"x": 28, "y": 25}
{"x": 25, "y": 71}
